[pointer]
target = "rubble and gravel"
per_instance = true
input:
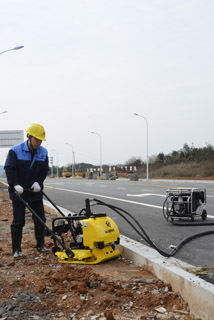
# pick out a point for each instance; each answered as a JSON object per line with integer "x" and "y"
{"x": 38, "y": 287}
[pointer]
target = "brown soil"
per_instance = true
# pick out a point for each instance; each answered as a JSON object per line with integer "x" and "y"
{"x": 115, "y": 289}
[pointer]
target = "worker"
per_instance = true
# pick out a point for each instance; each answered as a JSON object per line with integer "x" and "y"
{"x": 26, "y": 168}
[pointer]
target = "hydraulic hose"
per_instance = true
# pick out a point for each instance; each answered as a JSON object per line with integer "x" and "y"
{"x": 144, "y": 235}
{"x": 192, "y": 224}
{"x": 57, "y": 208}
{"x": 205, "y": 233}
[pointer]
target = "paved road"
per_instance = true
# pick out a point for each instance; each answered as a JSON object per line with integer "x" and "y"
{"x": 144, "y": 200}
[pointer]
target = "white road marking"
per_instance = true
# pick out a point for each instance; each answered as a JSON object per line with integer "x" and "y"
{"x": 146, "y": 194}
{"x": 59, "y": 183}
{"x": 90, "y": 183}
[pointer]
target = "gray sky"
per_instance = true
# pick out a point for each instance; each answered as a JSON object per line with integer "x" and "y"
{"x": 88, "y": 65}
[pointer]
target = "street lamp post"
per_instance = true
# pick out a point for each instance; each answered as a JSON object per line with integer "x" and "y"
{"x": 73, "y": 158}
{"x": 147, "y": 143}
{"x": 100, "y": 151}
{"x": 51, "y": 162}
{"x": 57, "y": 167}
{"x": 16, "y": 48}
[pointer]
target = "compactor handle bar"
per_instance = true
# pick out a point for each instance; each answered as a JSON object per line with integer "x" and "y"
{"x": 53, "y": 204}
{"x": 69, "y": 253}
{"x": 44, "y": 194}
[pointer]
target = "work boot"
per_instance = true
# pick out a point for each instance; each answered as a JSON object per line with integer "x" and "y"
{"x": 16, "y": 236}
{"x": 42, "y": 249}
{"x": 17, "y": 254}
{"x": 39, "y": 235}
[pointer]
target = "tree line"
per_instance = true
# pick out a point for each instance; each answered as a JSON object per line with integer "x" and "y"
{"x": 185, "y": 154}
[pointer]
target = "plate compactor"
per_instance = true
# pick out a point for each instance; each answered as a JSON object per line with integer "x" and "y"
{"x": 83, "y": 238}
{"x": 185, "y": 203}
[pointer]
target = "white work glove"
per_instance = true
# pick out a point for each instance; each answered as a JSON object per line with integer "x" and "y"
{"x": 35, "y": 187}
{"x": 19, "y": 189}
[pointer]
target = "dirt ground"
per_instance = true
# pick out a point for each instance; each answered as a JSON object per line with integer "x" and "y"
{"x": 115, "y": 289}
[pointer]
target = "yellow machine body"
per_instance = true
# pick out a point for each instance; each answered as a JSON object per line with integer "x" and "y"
{"x": 100, "y": 234}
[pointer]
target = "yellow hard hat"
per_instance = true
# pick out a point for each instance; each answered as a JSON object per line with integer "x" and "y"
{"x": 37, "y": 131}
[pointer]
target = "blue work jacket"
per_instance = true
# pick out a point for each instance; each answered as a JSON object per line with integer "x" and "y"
{"x": 24, "y": 169}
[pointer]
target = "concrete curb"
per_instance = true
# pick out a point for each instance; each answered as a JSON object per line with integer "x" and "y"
{"x": 196, "y": 292}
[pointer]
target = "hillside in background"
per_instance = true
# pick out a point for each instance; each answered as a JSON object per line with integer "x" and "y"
{"x": 189, "y": 162}
{"x": 190, "y": 170}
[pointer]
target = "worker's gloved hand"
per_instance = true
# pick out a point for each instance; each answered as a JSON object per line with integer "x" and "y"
{"x": 19, "y": 189}
{"x": 35, "y": 187}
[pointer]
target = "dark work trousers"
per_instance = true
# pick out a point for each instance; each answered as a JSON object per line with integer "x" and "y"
{"x": 19, "y": 213}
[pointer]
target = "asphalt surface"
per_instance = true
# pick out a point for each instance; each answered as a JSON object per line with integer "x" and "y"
{"x": 144, "y": 201}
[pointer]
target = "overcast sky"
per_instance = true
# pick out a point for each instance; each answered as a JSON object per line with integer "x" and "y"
{"x": 88, "y": 65}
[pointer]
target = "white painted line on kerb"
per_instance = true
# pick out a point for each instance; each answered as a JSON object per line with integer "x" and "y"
{"x": 106, "y": 197}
